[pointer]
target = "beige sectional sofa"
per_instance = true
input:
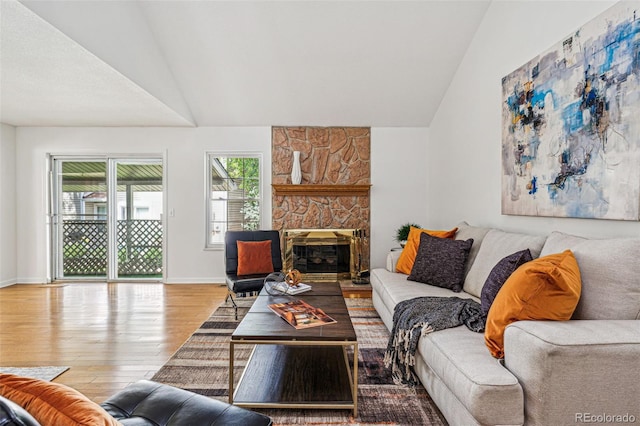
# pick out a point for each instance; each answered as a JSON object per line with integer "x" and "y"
{"x": 554, "y": 373}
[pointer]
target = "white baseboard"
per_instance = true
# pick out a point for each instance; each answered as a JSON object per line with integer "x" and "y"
{"x": 7, "y": 283}
{"x": 213, "y": 280}
{"x": 210, "y": 280}
{"x": 32, "y": 281}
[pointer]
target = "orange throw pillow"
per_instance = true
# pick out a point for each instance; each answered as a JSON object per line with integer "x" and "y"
{"x": 408, "y": 255}
{"x": 54, "y": 403}
{"x": 254, "y": 257}
{"x": 547, "y": 288}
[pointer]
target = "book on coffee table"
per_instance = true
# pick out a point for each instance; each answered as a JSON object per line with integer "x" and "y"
{"x": 288, "y": 289}
{"x": 300, "y": 314}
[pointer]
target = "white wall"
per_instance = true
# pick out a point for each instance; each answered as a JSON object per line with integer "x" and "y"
{"x": 464, "y": 155}
{"x": 398, "y": 193}
{"x": 187, "y": 260}
{"x": 8, "y": 263}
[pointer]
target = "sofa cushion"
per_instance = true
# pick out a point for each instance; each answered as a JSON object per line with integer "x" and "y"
{"x": 488, "y": 390}
{"x": 254, "y": 257}
{"x": 393, "y": 288}
{"x": 441, "y": 262}
{"x": 608, "y": 292}
{"x": 495, "y": 246}
{"x": 53, "y": 403}
{"x": 477, "y": 234}
{"x": 547, "y": 288}
{"x": 408, "y": 255}
{"x": 499, "y": 274}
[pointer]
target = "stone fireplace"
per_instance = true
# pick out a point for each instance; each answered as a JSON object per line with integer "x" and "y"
{"x": 333, "y": 198}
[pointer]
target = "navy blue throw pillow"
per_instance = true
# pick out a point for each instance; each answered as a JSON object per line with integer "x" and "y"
{"x": 499, "y": 274}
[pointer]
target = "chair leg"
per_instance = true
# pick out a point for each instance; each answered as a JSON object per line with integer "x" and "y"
{"x": 233, "y": 302}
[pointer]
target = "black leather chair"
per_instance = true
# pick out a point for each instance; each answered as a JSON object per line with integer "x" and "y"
{"x": 248, "y": 284}
{"x": 149, "y": 403}
{"x": 11, "y": 414}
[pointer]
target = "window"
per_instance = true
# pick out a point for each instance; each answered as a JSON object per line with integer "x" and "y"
{"x": 101, "y": 211}
{"x": 141, "y": 213}
{"x": 233, "y": 195}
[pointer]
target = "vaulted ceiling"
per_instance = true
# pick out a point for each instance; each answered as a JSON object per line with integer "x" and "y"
{"x": 230, "y": 63}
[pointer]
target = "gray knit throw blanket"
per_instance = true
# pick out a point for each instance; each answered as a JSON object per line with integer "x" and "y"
{"x": 416, "y": 317}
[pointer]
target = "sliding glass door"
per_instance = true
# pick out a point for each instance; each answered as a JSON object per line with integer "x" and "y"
{"x": 138, "y": 213}
{"x": 80, "y": 218}
{"x": 106, "y": 218}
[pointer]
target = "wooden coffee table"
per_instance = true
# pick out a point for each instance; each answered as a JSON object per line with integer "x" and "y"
{"x": 289, "y": 368}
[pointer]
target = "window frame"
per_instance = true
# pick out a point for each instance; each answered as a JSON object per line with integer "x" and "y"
{"x": 209, "y": 156}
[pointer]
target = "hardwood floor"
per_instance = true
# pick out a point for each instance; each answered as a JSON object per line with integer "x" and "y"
{"x": 109, "y": 334}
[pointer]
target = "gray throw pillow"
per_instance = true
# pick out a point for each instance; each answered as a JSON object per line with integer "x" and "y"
{"x": 499, "y": 274}
{"x": 441, "y": 262}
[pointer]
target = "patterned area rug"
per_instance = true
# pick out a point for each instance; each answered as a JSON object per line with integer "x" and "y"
{"x": 201, "y": 365}
{"x": 43, "y": 373}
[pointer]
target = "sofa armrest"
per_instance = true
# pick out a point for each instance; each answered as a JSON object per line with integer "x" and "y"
{"x": 573, "y": 371}
{"x": 392, "y": 259}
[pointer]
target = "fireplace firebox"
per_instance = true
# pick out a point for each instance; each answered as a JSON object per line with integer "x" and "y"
{"x": 323, "y": 254}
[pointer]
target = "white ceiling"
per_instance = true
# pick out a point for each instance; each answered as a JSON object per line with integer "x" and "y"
{"x": 230, "y": 63}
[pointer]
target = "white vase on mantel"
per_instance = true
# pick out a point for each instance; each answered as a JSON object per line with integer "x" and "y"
{"x": 296, "y": 172}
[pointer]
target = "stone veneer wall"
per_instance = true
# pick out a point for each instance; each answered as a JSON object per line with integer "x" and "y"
{"x": 328, "y": 156}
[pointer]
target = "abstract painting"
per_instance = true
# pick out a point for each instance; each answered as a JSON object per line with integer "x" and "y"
{"x": 571, "y": 124}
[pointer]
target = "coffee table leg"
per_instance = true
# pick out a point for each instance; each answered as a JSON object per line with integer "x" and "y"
{"x": 231, "y": 372}
{"x": 355, "y": 380}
